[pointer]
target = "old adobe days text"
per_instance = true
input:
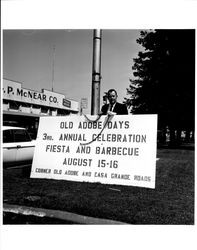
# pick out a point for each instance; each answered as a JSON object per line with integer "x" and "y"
{"x": 96, "y": 125}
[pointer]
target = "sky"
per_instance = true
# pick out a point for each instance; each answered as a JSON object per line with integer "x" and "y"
{"x": 28, "y": 58}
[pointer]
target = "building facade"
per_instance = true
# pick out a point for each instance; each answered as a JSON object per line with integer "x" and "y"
{"x": 23, "y": 107}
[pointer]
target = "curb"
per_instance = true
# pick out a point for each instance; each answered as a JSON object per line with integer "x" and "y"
{"x": 57, "y": 214}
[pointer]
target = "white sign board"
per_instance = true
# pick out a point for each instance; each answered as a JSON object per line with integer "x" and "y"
{"x": 73, "y": 148}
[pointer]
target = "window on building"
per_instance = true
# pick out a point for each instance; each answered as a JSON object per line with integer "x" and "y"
{"x": 14, "y": 105}
{"x": 63, "y": 112}
{"x": 25, "y": 105}
{"x": 5, "y": 101}
{"x": 35, "y": 106}
{"x": 44, "y": 109}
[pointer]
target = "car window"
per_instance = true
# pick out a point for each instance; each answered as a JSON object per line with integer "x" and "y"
{"x": 7, "y": 136}
{"x": 21, "y": 135}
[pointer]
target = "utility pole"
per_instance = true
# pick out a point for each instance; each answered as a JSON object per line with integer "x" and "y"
{"x": 53, "y": 67}
{"x": 96, "y": 72}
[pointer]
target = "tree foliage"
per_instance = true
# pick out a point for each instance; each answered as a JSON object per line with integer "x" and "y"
{"x": 164, "y": 78}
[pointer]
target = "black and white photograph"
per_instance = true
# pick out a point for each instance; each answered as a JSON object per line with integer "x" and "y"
{"x": 98, "y": 129}
{"x": 80, "y": 155}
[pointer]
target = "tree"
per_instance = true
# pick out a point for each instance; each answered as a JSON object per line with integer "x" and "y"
{"x": 164, "y": 79}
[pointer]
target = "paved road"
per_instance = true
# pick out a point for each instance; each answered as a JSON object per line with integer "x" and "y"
{"x": 19, "y": 219}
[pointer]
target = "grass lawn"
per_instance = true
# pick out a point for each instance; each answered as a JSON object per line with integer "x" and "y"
{"x": 171, "y": 202}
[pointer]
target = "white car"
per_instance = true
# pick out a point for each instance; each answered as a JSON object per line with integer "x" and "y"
{"x": 18, "y": 147}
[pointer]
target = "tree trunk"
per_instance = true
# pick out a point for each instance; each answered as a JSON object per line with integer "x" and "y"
{"x": 172, "y": 136}
{"x": 187, "y": 138}
{"x": 178, "y": 137}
